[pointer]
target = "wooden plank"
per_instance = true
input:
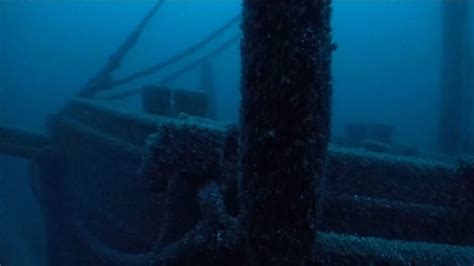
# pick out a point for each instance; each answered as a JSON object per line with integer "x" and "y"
{"x": 22, "y": 143}
{"x": 391, "y": 219}
{"x": 341, "y": 250}
{"x": 349, "y": 170}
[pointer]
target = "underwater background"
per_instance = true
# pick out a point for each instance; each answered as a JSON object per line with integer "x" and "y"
{"x": 386, "y": 70}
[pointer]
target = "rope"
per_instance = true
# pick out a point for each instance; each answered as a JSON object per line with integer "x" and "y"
{"x": 198, "y": 62}
{"x": 179, "y": 72}
{"x": 102, "y": 79}
{"x": 152, "y": 69}
{"x": 106, "y": 252}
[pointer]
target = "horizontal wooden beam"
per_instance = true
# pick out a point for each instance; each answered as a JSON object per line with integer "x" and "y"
{"x": 337, "y": 249}
{"x": 349, "y": 170}
{"x": 129, "y": 126}
{"x": 378, "y": 175}
{"x": 22, "y": 143}
{"x": 391, "y": 219}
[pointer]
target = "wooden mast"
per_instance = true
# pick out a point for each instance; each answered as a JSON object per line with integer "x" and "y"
{"x": 285, "y": 117}
{"x": 456, "y": 87}
{"x": 208, "y": 86}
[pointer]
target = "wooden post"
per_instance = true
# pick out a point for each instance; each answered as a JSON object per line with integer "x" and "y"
{"x": 456, "y": 88}
{"x": 285, "y": 125}
{"x": 207, "y": 85}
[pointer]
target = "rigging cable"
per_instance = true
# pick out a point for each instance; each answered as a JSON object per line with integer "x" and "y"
{"x": 179, "y": 72}
{"x": 102, "y": 79}
{"x": 190, "y": 50}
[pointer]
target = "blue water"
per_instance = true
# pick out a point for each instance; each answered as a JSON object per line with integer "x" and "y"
{"x": 386, "y": 70}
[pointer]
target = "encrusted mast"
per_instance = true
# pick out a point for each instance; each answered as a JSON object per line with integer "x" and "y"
{"x": 118, "y": 187}
{"x": 207, "y": 85}
{"x": 456, "y": 84}
{"x": 285, "y": 117}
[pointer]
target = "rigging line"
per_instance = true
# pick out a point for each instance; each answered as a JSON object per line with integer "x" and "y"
{"x": 105, "y": 251}
{"x": 190, "y": 50}
{"x": 102, "y": 77}
{"x": 179, "y": 72}
{"x": 198, "y": 62}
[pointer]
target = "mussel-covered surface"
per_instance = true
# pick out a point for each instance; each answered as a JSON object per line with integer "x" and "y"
{"x": 124, "y": 188}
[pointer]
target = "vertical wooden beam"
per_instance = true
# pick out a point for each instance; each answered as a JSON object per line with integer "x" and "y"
{"x": 456, "y": 88}
{"x": 208, "y": 86}
{"x": 285, "y": 123}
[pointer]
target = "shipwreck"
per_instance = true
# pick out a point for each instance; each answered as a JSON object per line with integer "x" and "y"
{"x": 172, "y": 186}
